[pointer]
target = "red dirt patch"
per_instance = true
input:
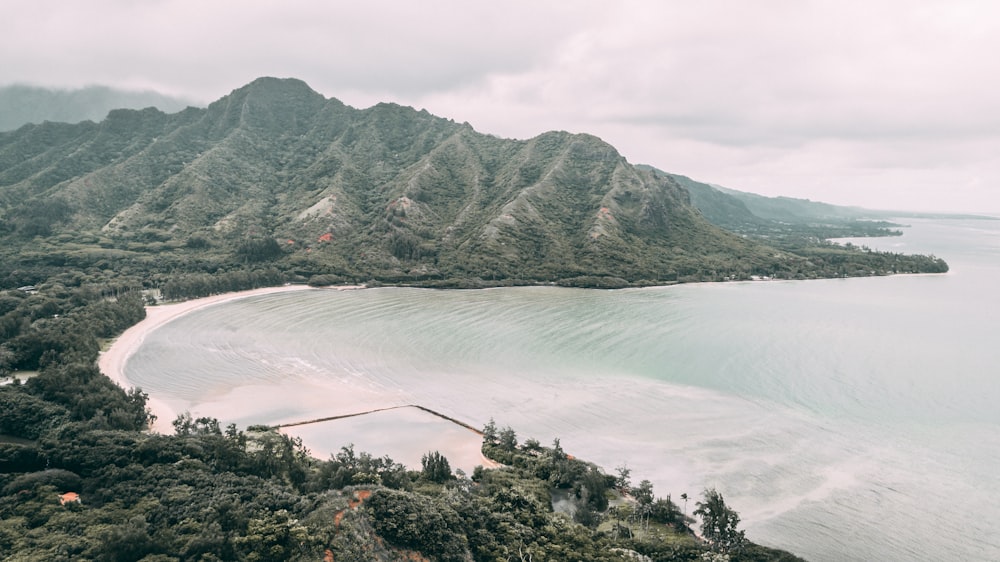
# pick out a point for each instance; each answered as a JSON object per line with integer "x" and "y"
{"x": 359, "y": 498}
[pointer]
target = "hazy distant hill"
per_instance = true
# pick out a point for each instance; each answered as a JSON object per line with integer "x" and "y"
{"x": 719, "y": 207}
{"x": 784, "y": 221}
{"x": 791, "y": 209}
{"x": 740, "y": 210}
{"x": 20, "y": 104}
{"x": 276, "y": 174}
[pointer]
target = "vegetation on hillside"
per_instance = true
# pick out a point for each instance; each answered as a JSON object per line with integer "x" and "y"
{"x": 275, "y": 176}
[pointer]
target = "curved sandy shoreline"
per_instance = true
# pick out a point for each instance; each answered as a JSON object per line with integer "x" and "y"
{"x": 112, "y": 360}
{"x": 347, "y": 399}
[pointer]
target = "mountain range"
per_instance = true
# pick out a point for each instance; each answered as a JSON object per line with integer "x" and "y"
{"x": 276, "y": 175}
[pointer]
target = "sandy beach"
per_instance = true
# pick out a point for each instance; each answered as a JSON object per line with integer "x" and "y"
{"x": 112, "y": 360}
{"x": 401, "y": 432}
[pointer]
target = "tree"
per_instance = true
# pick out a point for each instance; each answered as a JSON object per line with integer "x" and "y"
{"x": 664, "y": 510}
{"x": 436, "y": 467}
{"x": 643, "y": 494}
{"x": 508, "y": 439}
{"x": 186, "y": 425}
{"x": 624, "y": 479}
{"x": 274, "y": 536}
{"x": 718, "y": 522}
{"x": 591, "y": 488}
{"x": 490, "y": 433}
{"x": 127, "y": 541}
{"x": 644, "y": 498}
{"x": 276, "y": 454}
{"x": 258, "y": 250}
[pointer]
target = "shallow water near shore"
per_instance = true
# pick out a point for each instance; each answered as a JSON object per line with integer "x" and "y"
{"x": 848, "y": 419}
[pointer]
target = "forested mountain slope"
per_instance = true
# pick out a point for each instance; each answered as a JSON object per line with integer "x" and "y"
{"x": 274, "y": 174}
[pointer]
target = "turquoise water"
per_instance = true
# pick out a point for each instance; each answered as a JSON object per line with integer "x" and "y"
{"x": 848, "y": 419}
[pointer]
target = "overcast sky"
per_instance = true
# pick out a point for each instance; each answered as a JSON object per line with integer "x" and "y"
{"x": 883, "y": 104}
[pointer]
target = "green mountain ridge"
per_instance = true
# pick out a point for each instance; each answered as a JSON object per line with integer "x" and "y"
{"x": 276, "y": 174}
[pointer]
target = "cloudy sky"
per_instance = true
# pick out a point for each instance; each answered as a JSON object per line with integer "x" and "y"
{"x": 884, "y": 104}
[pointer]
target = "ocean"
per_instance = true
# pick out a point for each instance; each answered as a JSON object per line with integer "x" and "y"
{"x": 844, "y": 419}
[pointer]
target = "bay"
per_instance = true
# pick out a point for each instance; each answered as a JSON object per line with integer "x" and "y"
{"x": 845, "y": 419}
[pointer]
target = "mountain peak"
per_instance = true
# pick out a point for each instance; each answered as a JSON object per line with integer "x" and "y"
{"x": 270, "y": 103}
{"x": 280, "y": 85}
{"x": 268, "y": 89}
